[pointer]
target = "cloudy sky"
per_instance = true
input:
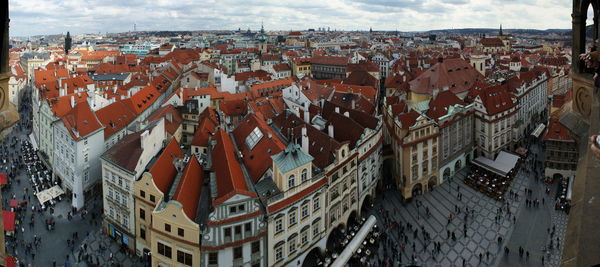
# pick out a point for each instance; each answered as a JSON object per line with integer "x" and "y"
{"x": 33, "y": 17}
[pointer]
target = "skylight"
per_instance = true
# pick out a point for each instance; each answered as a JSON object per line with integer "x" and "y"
{"x": 253, "y": 138}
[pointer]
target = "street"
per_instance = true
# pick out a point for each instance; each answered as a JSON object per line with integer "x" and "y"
{"x": 424, "y": 223}
{"x": 33, "y": 243}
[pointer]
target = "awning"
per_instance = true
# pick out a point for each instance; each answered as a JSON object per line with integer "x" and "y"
{"x": 9, "y": 220}
{"x": 355, "y": 243}
{"x": 3, "y": 179}
{"x": 32, "y": 141}
{"x": 503, "y": 164}
{"x": 570, "y": 188}
{"x": 13, "y": 203}
{"x": 539, "y": 130}
{"x": 48, "y": 194}
{"x": 10, "y": 261}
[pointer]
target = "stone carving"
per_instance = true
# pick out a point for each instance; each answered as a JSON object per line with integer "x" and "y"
{"x": 582, "y": 101}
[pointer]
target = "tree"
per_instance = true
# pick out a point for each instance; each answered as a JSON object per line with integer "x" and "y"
{"x": 67, "y": 43}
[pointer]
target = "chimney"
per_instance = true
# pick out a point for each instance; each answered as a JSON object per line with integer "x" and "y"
{"x": 304, "y": 140}
{"x": 337, "y": 110}
{"x": 347, "y": 114}
{"x": 72, "y": 101}
{"x": 60, "y": 83}
{"x": 330, "y": 130}
{"x": 435, "y": 93}
{"x": 353, "y": 103}
{"x": 170, "y": 117}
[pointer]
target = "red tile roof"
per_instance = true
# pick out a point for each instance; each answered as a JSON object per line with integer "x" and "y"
{"x": 257, "y": 159}
{"x": 408, "y": 119}
{"x": 438, "y": 106}
{"x": 172, "y": 122}
{"x": 230, "y": 177}
{"x": 491, "y": 42}
{"x": 189, "y": 188}
{"x": 281, "y": 67}
{"x": 322, "y": 147}
{"x": 330, "y": 60}
{"x": 235, "y": 107}
{"x": 61, "y": 105}
{"x": 163, "y": 171}
{"x": 456, "y": 74}
{"x": 205, "y": 130}
{"x": 495, "y": 98}
{"x": 143, "y": 99}
{"x": 81, "y": 121}
{"x": 115, "y": 117}
{"x": 557, "y": 131}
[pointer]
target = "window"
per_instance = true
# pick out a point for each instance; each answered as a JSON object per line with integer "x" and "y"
{"x": 238, "y": 230}
{"x": 143, "y": 233}
{"x": 279, "y": 252}
{"x": 278, "y": 226}
{"x": 110, "y": 192}
{"x": 142, "y": 214}
{"x": 167, "y": 227}
{"x": 237, "y": 253}
{"x": 304, "y": 236}
{"x": 292, "y": 218}
{"x": 164, "y": 250}
{"x": 232, "y": 209}
{"x": 304, "y": 175}
{"x": 248, "y": 227}
{"x": 316, "y": 204}
{"x": 180, "y": 232}
{"x": 291, "y": 181}
{"x": 213, "y": 258}
{"x": 184, "y": 258}
{"x": 227, "y": 232}
{"x": 305, "y": 211}
{"x": 292, "y": 245}
{"x": 241, "y": 208}
{"x": 255, "y": 247}
{"x": 152, "y": 199}
{"x": 253, "y": 138}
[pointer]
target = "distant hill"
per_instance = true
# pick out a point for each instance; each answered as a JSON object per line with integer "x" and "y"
{"x": 495, "y": 31}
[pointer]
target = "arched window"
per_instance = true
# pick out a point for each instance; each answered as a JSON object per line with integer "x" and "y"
{"x": 291, "y": 181}
{"x": 304, "y": 175}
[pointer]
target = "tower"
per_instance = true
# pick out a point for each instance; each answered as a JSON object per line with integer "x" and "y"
{"x": 8, "y": 113}
{"x": 262, "y": 40}
{"x": 500, "y": 33}
{"x": 68, "y": 43}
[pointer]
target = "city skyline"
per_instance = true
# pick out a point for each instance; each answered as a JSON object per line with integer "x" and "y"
{"x": 406, "y": 15}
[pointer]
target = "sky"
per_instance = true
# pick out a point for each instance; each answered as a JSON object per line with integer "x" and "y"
{"x": 38, "y": 17}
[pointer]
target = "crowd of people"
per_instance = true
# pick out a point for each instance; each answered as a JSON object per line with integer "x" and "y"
{"x": 489, "y": 183}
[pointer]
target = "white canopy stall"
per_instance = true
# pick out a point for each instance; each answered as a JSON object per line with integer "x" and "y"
{"x": 49, "y": 194}
{"x": 503, "y": 164}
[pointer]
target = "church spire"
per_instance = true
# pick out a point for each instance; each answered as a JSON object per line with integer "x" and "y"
{"x": 500, "y": 29}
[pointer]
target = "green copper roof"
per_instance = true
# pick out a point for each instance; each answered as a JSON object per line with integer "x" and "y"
{"x": 291, "y": 158}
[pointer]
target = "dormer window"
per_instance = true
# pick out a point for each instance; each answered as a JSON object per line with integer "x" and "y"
{"x": 291, "y": 181}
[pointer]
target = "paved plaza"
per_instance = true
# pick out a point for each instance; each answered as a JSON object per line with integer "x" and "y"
{"x": 53, "y": 246}
{"x": 529, "y": 228}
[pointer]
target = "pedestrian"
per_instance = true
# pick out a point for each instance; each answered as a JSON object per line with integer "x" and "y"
{"x": 527, "y": 255}
{"x": 480, "y": 256}
{"x": 487, "y": 255}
